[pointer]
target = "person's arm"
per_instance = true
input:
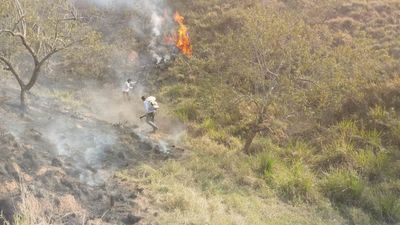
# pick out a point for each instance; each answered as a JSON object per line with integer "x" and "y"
{"x": 145, "y": 109}
{"x": 130, "y": 85}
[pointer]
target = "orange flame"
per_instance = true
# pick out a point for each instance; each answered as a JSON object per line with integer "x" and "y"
{"x": 183, "y": 40}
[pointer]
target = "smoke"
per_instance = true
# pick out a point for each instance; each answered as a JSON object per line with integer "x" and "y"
{"x": 83, "y": 143}
{"x": 153, "y": 19}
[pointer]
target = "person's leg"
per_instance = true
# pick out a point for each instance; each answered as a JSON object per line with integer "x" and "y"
{"x": 150, "y": 121}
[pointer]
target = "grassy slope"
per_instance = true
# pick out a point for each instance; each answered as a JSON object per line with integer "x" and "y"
{"x": 349, "y": 177}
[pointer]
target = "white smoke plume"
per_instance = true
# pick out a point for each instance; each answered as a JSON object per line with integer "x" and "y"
{"x": 160, "y": 19}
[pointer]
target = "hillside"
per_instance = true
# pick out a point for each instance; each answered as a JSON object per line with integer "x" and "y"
{"x": 272, "y": 112}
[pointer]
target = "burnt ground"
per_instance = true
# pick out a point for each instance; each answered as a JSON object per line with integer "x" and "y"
{"x": 58, "y": 164}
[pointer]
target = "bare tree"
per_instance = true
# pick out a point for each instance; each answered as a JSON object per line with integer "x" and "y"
{"x": 42, "y": 32}
{"x": 266, "y": 62}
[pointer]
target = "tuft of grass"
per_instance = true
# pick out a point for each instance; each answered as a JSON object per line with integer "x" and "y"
{"x": 347, "y": 128}
{"x": 265, "y": 165}
{"x": 299, "y": 151}
{"x": 299, "y": 186}
{"x": 358, "y": 216}
{"x": 187, "y": 112}
{"x": 344, "y": 187}
{"x": 374, "y": 166}
{"x": 384, "y": 204}
{"x": 338, "y": 155}
{"x": 378, "y": 113}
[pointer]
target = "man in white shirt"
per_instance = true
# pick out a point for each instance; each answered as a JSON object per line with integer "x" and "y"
{"x": 150, "y": 113}
{"x": 127, "y": 88}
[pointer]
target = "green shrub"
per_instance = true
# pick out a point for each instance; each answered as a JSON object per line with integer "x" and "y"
{"x": 343, "y": 187}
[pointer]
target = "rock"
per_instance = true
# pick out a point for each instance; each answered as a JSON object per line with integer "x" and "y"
{"x": 35, "y": 134}
{"x": 132, "y": 195}
{"x": 11, "y": 171}
{"x": 56, "y": 162}
{"x": 131, "y": 219}
{"x": 29, "y": 162}
{"x": 121, "y": 155}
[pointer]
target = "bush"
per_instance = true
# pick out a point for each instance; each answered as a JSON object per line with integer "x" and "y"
{"x": 343, "y": 187}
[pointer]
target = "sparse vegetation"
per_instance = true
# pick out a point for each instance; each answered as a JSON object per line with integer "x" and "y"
{"x": 292, "y": 110}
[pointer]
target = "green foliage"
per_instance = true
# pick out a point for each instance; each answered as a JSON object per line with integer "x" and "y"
{"x": 299, "y": 186}
{"x": 187, "y": 111}
{"x": 335, "y": 85}
{"x": 343, "y": 187}
{"x": 374, "y": 166}
{"x": 265, "y": 165}
{"x": 387, "y": 206}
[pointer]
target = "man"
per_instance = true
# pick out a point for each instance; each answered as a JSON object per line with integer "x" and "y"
{"x": 127, "y": 87}
{"x": 150, "y": 109}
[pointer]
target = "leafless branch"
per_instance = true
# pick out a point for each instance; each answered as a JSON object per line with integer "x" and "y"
{"x": 21, "y": 16}
{"x": 24, "y": 42}
{"x": 18, "y": 22}
{"x": 10, "y": 67}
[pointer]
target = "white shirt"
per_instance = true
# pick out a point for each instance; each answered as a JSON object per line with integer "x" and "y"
{"x": 148, "y": 107}
{"x": 128, "y": 86}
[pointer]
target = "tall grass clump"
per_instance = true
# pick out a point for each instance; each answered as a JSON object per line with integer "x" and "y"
{"x": 299, "y": 185}
{"x": 344, "y": 187}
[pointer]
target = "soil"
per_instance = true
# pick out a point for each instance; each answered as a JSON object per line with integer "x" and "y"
{"x": 62, "y": 163}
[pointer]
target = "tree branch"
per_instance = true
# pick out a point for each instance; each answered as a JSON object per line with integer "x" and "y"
{"x": 21, "y": 15}
{"x": 13, "y": 71}
{"x": 24, "y": 42}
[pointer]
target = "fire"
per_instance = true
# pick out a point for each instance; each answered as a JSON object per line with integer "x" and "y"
{"x": 182, "y": 39}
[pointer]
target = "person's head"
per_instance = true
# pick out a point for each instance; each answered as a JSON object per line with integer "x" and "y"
{"x": 143, "y": 98}
{"x": 129, "y": 80}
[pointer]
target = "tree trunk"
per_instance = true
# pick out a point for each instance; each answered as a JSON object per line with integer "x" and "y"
{"x": 249, "y": 140}
{"x": 34, "y": 77}
{"x": 22, "y": 99}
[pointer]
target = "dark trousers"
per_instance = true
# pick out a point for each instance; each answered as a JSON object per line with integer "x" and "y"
{"x": 150, "y": 120}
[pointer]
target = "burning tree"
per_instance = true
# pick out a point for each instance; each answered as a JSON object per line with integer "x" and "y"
{"x": 36, "y": 30}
